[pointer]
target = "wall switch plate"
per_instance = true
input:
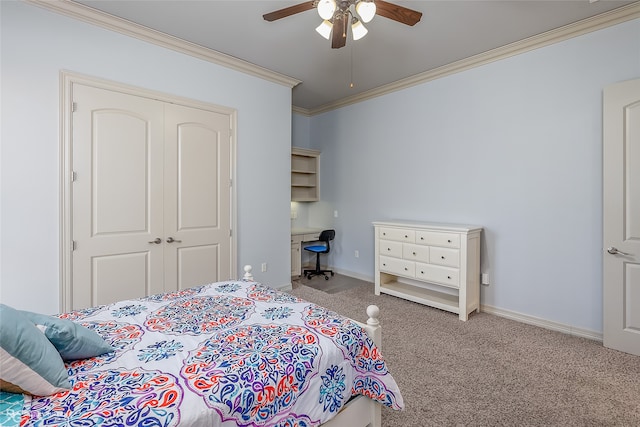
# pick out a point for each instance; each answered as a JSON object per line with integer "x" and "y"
{"x": 484, "y": 278}
{"x": 264, "y": 267}
{"x": 335, "y": 214}
{"x": 357, "y": 254}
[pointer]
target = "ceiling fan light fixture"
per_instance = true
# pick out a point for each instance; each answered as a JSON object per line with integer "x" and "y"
{"x": 366, "y": 9}
{"x": 324, "y": 29}
{"x": 326, "y": 8}
{"x": 358, "y": 30}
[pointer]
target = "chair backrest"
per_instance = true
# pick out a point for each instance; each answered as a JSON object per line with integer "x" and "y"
{"x": 326, "y": 236}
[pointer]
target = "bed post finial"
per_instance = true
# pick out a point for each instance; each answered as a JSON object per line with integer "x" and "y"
{"x": 373, "y": 312}
{"x": 247, "y": 273}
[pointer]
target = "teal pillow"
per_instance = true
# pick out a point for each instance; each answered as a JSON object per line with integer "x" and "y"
{"x": 73, "y": 341}
{"x": 29, "y": 363}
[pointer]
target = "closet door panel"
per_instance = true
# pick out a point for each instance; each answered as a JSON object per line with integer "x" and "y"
{"x": 197, "y": 196}
{"x": 120, "y": 174}
{"x": 195, "y": 266}
{"x": 198, "y": 180}
{"x": 117, "y": 142}
{"x": 111, "y": 285}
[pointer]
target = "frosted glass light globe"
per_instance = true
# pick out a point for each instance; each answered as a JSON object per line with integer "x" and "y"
{"x": 366, "y": 10}
{"x": 326, "y": 9}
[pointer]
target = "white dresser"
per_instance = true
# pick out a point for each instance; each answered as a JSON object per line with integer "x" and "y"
{"x": 434, "y": 264}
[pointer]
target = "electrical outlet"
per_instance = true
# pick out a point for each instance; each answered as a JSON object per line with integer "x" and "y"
{"x": 357, "y": 254}
{"x": 264, "y": 267}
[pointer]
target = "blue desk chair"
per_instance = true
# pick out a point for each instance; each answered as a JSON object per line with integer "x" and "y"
{"x": 325, "y": 236}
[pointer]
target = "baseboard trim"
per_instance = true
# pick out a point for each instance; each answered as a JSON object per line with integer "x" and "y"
{"x": 354, "y": 275}
{"x": 286, "y": 287}
{"x": 512, "y": 315}
{"x": 542, "y": 323}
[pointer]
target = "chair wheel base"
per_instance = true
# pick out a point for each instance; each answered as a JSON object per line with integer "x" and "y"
{"x": 309, "y": 274}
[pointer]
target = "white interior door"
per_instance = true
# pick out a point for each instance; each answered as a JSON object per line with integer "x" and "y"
{"x": 197, "y": 196}
{"x": 117, "y": 159}
{"x": 151, "y": 201}
{"x": 621, "y": 217}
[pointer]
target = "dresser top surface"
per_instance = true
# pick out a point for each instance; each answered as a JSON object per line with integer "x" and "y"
{"x": 467, "y": 228}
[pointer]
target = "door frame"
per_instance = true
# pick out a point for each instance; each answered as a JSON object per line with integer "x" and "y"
{"x": 67, "y": 80}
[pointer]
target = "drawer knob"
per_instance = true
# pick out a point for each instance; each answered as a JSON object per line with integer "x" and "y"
{"x": 449, "y": 240}
{"x": 384, "y": 264}
{"x": 442, "y": 257}
{"x": 421, "y": 272}
{"x": 388, "y": 249}
{"x": 406, "y": 269}
{"x": 448, "y": 277}
{"x": 406, "y": 237}
{"x": 414, "y": 253}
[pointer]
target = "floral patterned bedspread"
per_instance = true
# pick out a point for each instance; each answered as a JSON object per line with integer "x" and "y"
{"x": 224, "y": 354}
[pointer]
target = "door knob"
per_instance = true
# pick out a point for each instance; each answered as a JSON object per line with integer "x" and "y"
{"x": 615, "y": 251}
{"x": 157, "y": 241}
{"x": 171, "y": 240}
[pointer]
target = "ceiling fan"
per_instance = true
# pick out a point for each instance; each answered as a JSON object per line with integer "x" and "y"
{"x": 337, "y": 15}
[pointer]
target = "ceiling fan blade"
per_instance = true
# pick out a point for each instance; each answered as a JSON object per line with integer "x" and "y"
{"x": 288, "y": 11}
{"x": 339, "y": 31}
{"x": 397, "y": 13}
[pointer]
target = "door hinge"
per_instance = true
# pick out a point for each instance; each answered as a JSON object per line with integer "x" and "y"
{"x": 74, "y": 245}
{"x": 74, "y": 176}
{"x": 74, "y": 107}
{"x": 231, "y": 183}
{"x": 230, "y": 233}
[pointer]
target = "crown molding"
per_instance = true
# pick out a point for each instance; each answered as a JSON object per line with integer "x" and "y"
{"x": 123, "y": 26}
{"x": 607, "y": 19}
{"x": 301, "y": 111}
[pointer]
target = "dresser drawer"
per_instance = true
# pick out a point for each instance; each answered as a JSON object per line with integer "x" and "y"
{"x": 415, "y": 252}
{"x": 444, "y": 256}
{"x": 389, "y": 248}
{"x": 433, "y": 238}
{"x": 437, "y": 274}
{"x": 397, "y": 266}
{"x": 398, "y": 234}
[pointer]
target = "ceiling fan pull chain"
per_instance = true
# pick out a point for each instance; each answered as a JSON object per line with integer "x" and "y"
{"x": 351, "y": 66}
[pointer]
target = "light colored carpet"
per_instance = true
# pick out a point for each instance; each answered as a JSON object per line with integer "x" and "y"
{"x": 491, "y": 371}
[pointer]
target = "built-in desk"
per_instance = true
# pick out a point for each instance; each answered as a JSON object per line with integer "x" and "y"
{"x": 299, "y": 236}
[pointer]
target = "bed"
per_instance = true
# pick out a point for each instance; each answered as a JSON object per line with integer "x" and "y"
{"x": 233, "y": 353}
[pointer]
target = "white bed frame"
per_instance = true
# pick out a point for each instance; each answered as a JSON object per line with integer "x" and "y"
{"x": 359, "y": 411}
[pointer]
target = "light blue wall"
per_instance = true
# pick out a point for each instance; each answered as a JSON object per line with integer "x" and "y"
{"x": 514, "y": 146}
{"x": 301, "y": 131}
{"x": 36, "y": 46}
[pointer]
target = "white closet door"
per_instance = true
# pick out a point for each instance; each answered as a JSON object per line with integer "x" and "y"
{"x": 197, "y": 196}
{"x": 151, "y": 199}
{"x": 117, "y": 158}
{"x": 621, "y": 217}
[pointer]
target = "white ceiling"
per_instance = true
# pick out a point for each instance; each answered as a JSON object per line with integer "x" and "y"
{"x": 450, "y": 30}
